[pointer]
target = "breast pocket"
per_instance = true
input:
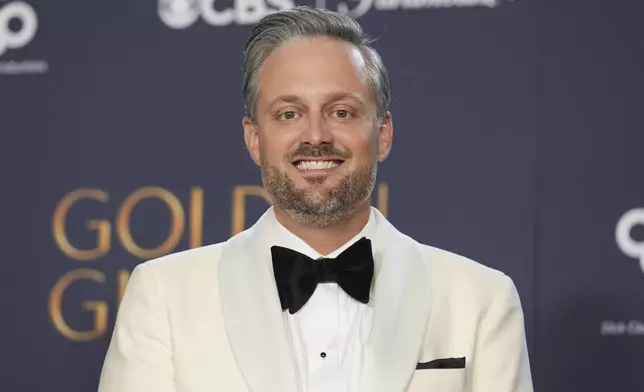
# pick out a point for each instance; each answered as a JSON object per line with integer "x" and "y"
{"x": 440, "y": 380}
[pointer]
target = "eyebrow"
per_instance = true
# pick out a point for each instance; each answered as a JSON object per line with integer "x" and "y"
{"x": 331, "y": 97}
{"x": 344, "y": 96}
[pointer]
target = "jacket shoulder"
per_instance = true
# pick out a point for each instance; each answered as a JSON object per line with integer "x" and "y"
{"x": 449, "y": 262}
{"x": 185, "y": 263}
{"x": 457, "y": 276}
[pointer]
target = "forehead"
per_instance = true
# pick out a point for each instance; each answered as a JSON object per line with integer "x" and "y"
{"x": 314, "y": 67}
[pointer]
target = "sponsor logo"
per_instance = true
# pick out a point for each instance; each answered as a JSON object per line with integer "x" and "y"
{"x": 180, "y": 14}
{"x": 631, "y": 248}
{"x": 18, "y": 27}
{"x": 622, "y": 328}
{"x": 634, "y": 248}
{"x": 623, "y": 235}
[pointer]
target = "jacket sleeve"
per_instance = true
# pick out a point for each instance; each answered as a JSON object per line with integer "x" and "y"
{"x": 502, "y": 363}
{"x": 139, "y": 357}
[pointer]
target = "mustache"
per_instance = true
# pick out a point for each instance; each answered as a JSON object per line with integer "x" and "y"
{"x": 319, "y": 151}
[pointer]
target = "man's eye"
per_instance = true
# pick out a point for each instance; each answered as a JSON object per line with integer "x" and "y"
{"x": 342, "y": 113}
{"x": 289, "y": 115}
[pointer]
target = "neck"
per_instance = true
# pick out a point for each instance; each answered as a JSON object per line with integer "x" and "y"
{"x": 327, "y": 239}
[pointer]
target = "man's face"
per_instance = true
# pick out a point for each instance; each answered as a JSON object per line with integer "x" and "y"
{"x": 316, "y": 135}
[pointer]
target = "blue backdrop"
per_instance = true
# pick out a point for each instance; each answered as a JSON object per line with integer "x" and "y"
{"x": 519, "y": 144}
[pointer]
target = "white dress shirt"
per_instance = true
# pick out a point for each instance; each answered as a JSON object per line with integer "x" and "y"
{"x": 329, "y": 332}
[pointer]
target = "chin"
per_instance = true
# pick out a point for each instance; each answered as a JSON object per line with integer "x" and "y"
{"x": 317, "y": 196}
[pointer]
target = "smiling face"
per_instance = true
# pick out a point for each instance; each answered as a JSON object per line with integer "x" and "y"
{"x": 316, "y": 134}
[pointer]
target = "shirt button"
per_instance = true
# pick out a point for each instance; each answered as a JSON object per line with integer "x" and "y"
{"x": 323, "y": 354}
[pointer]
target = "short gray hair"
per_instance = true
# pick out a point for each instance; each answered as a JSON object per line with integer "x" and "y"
{"x": 278, "y": 28}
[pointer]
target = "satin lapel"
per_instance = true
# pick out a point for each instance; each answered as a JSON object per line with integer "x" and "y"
{"x": 252, "y": 312}
{"x": 401, "y": 297}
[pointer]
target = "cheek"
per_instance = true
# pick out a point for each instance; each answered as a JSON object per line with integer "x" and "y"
{"x": 273, "y": 150}
{"x": 363, "y": 147}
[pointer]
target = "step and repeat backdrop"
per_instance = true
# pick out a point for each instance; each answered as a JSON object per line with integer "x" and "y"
{"x": 519, "y": 143}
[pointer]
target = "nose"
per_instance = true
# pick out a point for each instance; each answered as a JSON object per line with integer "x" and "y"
{"x": 317, "y": 131}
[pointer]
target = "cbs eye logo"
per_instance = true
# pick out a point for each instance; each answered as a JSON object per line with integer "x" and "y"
{"x": 25, "y": 24}
{"x": 626, "y": 243}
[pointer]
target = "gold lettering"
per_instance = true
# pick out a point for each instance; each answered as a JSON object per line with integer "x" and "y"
{"x": 176, "y": 228}
{"x": 99, "y": 308}
{"x": 239, "y": 204}
{"x": 196, "y": 217}
{"x": 102, "y": 227}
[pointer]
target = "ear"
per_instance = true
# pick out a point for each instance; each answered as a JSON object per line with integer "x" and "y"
{"x": 385, "y": 138}
{"x": 251, "y": 136}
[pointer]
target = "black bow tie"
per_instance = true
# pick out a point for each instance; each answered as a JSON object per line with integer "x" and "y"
{"x": 298, "y": 275}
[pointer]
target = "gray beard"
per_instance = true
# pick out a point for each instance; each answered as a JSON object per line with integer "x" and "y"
{"x": 330, "y": 204}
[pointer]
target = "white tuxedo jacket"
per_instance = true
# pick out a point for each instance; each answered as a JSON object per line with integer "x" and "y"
{"x": 210, "y": 320}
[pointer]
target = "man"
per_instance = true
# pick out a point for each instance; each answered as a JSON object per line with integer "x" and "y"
{"x": 322, "y": 294}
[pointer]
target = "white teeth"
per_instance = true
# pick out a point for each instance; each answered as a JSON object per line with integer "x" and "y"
{"x": 316, "y": 165}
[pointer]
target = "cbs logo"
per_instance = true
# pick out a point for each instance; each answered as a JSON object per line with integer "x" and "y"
{"x": 27, "y": 26}
{"x": 626, "y": 243}
{"x": 180, "y": 14}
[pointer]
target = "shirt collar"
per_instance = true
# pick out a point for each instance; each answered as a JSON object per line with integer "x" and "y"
{"x": 281, "y": 236}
